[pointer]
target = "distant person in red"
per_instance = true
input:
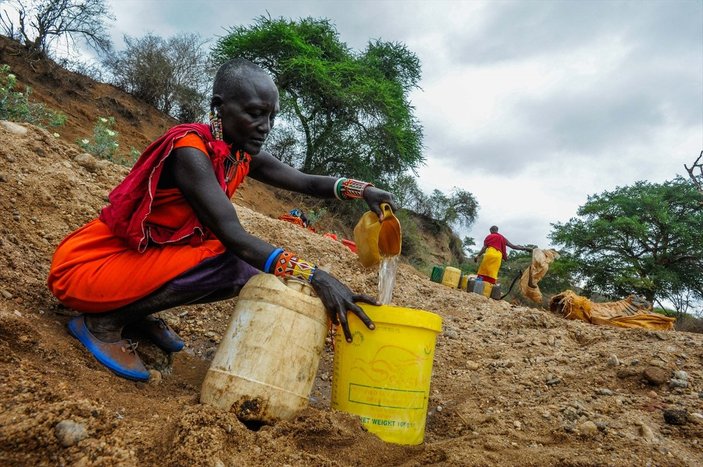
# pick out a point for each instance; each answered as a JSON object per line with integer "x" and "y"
{"x": 495, "y": 249}
{"x": 171, "y": 236}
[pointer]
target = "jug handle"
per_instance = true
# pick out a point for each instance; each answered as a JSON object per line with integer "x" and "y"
{"x": 386, "y": 210}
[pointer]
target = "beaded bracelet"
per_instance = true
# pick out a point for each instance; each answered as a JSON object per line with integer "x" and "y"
{"x": 348, "y": 188}
{"x": 289, "y": 264}
{"x": 272, "y": 257}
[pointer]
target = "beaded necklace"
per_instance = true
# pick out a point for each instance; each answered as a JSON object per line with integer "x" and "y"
{"x": 231, "y": 164}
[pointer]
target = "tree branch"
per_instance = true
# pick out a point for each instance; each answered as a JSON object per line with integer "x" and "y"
{"x": 697, "y": 179}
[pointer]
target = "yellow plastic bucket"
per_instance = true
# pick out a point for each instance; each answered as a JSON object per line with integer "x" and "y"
{"x": 383, "y": 376}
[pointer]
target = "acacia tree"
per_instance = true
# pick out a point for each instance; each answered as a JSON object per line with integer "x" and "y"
{"x": 173, "y": 74}
{"x": 344, "y": 113}
{"x": 38, "y": 24}
{"x": 644, "y": 239}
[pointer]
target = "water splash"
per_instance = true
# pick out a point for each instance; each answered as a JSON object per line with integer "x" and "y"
{"x": 386, "y": 278}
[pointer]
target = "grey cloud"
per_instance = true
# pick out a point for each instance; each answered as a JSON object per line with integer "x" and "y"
{"x": 518, "y": 30}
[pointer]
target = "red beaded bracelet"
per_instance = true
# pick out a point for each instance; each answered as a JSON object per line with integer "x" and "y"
{"x": 348, "y": 188}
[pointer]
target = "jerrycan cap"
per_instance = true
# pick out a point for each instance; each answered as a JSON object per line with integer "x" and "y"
{"x": 375, "y": 239}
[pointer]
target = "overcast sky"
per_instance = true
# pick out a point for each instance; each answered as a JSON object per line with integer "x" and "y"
{"x": 529, "y": 105}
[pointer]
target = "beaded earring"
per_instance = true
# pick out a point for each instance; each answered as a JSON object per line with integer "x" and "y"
{"x": 216, "y": 124}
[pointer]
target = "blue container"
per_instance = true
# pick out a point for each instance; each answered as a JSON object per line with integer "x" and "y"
{"x": 478, "y": 286}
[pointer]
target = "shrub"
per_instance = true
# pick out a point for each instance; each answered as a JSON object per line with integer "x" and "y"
{"x": 104, "y": 144}
{"x": 15, "y": 105}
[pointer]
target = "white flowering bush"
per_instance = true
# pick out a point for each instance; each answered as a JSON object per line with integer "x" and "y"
{"x": 15, "y": 105}
{"x": 104, "y": 142}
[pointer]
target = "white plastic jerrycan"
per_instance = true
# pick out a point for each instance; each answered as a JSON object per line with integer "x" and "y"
{"x": 266, "y": 363}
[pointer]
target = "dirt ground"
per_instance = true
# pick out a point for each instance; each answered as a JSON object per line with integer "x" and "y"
{"x": 511, "y": 385}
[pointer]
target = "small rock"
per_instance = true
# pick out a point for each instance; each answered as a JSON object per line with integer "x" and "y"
{"x": 451, "y": 334}
{"x": 604, "y": 392}
{"x": 439, "y": 408}
{"x": 655, "y": 376}
{"x": 14, "y": 128}
{"x": 588, "y": 428}
{"x": 517, "y": 425}
{"x": 473, "y": 366}
{"x": 5, "y": 294}
{"x": 69, "y": 432}
{"x": 613, "y": 361}
{"x": 553, "y": 380}
{"x": 652, "y": 394}
{"x": 87, "y": 161}
{"x": 682, "y": 375}
{"x": 155, "y": 377}
{"x": 675, "y": 417}
{"x": 3, "y": 177}
{"x": 678, "y": 383}
{"x": 646, "y": 432}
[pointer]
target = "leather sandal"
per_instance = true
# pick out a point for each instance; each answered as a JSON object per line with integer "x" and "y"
{"x": 120, "y": 357}
{"x": 159, "y": 332}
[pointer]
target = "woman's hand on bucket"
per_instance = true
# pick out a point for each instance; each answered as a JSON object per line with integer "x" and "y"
{"x": 338, "y": 299}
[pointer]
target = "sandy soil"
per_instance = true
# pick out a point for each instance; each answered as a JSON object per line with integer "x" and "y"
{"x": 511, "y": 385}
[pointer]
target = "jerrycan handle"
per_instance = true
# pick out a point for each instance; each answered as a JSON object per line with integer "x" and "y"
{"x": 387, "y": 211}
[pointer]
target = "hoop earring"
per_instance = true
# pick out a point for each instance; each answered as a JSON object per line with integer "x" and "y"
{"x": 216, "y": 124}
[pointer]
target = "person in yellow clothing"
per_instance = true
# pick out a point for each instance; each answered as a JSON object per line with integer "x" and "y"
{"x": 495, "y": 249}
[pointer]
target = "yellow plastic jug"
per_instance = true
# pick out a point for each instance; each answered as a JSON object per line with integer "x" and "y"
{"x": 383, "y": 376}
{"x": 463, "y": 282}
{"x": 375, "y": 238}
{"x": 487, "y": 289}
{"x": 451, "y": 277}
{"x": 265, "y": 365}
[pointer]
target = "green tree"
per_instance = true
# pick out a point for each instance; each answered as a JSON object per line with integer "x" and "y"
{"x": 644, "y": 239}
{"x": 342, "y": 112}
{"x": 458, "y": 209}
{"x": 170, "y": 74}
{"x": 38, "y": 24}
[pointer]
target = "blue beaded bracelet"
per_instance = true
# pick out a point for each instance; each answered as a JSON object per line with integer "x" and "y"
{"x": 272, "y": 257}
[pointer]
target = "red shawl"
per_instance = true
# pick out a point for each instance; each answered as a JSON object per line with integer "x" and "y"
{"x": 498, "y": 242}
{"x": 131, "y": 200}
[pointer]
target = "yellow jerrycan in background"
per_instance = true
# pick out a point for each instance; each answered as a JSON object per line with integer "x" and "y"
{"x": 375, "y": 239}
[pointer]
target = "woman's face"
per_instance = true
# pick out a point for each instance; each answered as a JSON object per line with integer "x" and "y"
{"x": 248, "y": 113}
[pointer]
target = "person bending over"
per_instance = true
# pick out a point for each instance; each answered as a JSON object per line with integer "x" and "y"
{"x": 170, "y": 235}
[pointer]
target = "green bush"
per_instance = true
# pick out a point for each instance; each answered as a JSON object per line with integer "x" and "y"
{"x": 104, "y": 142}
{"x": 15, "y": 105}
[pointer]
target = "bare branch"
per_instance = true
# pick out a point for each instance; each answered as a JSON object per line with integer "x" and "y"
{"x": 43, "y": 22}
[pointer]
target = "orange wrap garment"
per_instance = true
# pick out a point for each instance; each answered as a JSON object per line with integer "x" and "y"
{"x": 94, "y": 271}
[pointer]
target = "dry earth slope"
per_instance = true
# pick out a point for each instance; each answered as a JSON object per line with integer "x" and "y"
{"x": 511, "y": 385}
